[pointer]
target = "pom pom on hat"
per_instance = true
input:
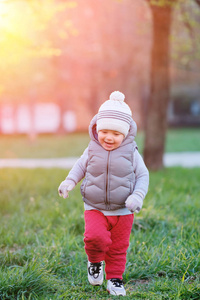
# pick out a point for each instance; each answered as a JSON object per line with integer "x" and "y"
{"x": 118, "y": 96}
{"x": 114, "y": 114}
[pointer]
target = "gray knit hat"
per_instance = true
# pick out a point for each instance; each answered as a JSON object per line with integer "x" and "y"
{"x": 114, "y": 114}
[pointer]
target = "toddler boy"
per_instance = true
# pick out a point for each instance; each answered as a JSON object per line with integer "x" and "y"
{"x": 115, "y": 183}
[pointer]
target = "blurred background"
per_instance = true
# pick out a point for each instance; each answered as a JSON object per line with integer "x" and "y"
{"x": 59, "y": 60}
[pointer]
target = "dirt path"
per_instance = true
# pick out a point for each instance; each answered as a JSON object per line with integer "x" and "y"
{"x": 183, "y": 159}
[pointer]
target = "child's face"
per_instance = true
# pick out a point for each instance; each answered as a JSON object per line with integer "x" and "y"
{"x": 110, "y": 139}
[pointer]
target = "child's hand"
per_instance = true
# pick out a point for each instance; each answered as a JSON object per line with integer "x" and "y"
{"x": 134, "y": 202}
{"x": 66, "y": 186}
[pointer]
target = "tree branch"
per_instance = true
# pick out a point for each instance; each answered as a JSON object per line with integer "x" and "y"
{"x": 197, "y": 2}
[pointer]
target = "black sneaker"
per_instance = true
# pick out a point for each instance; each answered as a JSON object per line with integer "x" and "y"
{"x": 95, "y": 273}
{"x": 115, "y": 287}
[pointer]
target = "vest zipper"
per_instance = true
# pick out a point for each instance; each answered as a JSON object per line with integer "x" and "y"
{"x": 107, "y": 180}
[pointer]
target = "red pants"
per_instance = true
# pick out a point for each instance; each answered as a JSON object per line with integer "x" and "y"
{"x": 107, "y": 238}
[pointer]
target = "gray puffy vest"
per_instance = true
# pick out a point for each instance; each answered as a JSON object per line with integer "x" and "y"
{"x": 110, "y": 176}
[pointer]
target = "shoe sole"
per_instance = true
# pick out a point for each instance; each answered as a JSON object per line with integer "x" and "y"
{"x": 115, "y": 294}
{"x": 97, "y": 284}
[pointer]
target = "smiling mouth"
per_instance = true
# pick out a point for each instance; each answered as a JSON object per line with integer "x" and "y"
{"x": 108, "y": 144}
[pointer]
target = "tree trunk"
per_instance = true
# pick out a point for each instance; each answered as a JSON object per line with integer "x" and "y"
{"x": 156, "y": 122}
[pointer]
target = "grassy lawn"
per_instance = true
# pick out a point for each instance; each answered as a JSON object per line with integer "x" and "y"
{"x": 41, "y": 239}
{"x": 48, "y": 146}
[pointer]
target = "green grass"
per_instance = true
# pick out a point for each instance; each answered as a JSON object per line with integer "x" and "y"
{"x": 183, "y": 140}
{"x": 44, "y": 146}
{"x": 41, "y": 239}
{"x": 49, "y": 146}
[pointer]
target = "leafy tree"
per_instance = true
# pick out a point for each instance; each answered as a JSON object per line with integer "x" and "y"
{"x": 31, "y": 31}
